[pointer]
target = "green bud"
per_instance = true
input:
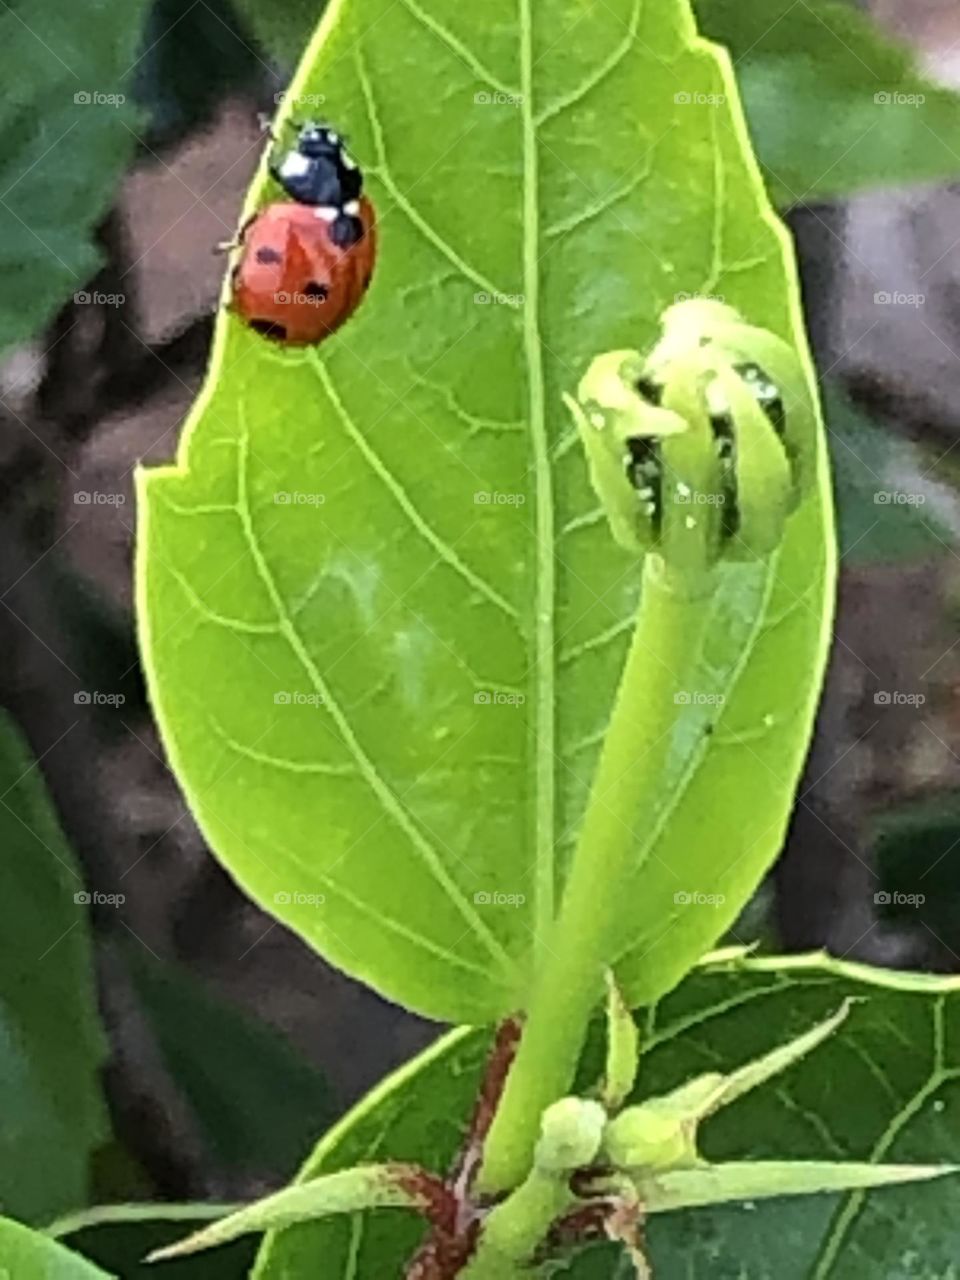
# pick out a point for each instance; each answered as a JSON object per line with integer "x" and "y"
{"x": 650, "y": 1136}
{"x": 571, "y": 1132}
{"x": 702, "y": 447}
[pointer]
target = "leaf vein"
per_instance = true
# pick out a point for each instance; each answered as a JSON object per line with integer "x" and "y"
{"x": 391, "y": 803}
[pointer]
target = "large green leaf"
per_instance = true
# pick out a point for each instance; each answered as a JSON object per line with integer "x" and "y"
{"x": 883, "y": 1088}
{"x": 834, "y": 103}
{"x": 27, "y": 1255}
{"x": 385, "y": 701}
{"x": 66, "y": 139}
{"x": 51, "y": 1044}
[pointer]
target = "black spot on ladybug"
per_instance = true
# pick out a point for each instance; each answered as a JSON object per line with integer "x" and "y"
{"x": 366, "y": 281}
{"x": 316, "y": 290}
{"x": 269, "y": 329}
{"x": 267, "y": 254}
{"x": 346, "y": 231}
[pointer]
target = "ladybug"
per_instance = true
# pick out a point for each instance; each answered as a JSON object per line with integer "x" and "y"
{"x": 305, "y": 263}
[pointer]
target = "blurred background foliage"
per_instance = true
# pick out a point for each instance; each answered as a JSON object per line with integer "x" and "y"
{"x": 159, "y": 1037}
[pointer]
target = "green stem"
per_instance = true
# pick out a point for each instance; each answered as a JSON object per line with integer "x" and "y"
{"x": 623, "y": 800}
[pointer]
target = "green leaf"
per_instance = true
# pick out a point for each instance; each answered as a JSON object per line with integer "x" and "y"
{"x": 28, "y": 1254}
{"x": 51, "y": 1045}
{"x": 416, "y": 1114}
{"x": 118, "y": 1237}
{"x": 344, "y": 685}
{"x": 885, "y": 1088}
{"x": 447, "y": 665}
{"x": 790, "y": 57}
{"x": 255, "y": 1098}
{"x": 882, "y": 514}
{"x": 66, "y": 142}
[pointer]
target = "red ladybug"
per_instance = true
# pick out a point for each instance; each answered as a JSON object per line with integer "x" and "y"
{"x": 305, "y": 264}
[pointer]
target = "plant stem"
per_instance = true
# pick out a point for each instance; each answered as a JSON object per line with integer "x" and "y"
{"x": 569, "y": 983}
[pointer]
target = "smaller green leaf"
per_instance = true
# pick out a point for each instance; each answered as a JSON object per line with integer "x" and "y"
{"x": 28, "y": 1255}
{"x": 388, "y": 1186}
{"x": 766, "y": 1179}
{"x": 623, "y": 1049}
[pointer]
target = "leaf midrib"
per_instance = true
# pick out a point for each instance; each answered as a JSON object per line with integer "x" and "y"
{"x": 544, "y": 745}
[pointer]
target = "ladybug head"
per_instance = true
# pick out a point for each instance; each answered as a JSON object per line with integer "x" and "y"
{"x": 317, "y": 141}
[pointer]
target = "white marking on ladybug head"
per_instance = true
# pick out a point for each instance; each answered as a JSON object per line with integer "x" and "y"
{"x": 295, "y": 165}
{"x": 326, "y": 213}
{"x": 348, "y": 160}
{"x": 352, "y": 207}
{"x": 333, "y": 136}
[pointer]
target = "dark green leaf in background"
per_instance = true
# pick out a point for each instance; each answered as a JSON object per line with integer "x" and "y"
{"x": 65, "y": 139}
{"x": 886, "y": 1087}
{"x": 51, "y": 1047}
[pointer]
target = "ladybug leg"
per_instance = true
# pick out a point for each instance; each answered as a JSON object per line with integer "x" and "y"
{"x": 228, "y": 246}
